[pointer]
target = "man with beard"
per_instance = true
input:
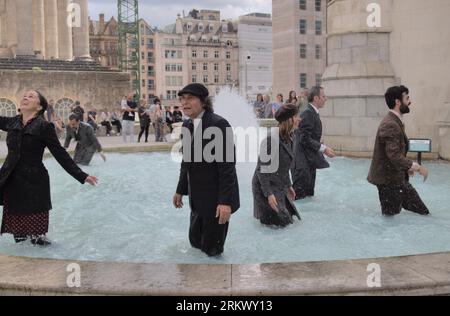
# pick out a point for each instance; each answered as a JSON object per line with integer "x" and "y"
{"x": 391, "y": 169}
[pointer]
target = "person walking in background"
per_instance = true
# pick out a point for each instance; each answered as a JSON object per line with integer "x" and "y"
{"x": 169, "y": 118}
{"x": 92, "y": 119}
{"x": 273, "y": 194}
{"x": 268, "y": 113}
{"x": 309, "y": 152}
{"x": 159, "y": 123}
{"x": 129, "y": 118}
{"x": 303, "y": 101}
{"x": 177, "y": 115}
{"x": 79, "y": 110}
{"x": 144, "y": 120}
{"x": 24, "y": 180}
{"x": 50, "y": 117}
{"x": 390, "y": 169}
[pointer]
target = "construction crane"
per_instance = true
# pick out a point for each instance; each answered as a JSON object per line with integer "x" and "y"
{"x": 129, "y": 41}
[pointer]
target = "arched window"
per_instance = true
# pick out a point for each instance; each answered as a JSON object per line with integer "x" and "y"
{"x": 63, "y": 108}
{"x": 7, "y": 108}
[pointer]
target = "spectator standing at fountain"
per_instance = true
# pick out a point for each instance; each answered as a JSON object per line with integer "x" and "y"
{"x": 51, "y": 111}
{"x": 105, "y": 121}
{"x": 144, "y": 120}
{"x": 78, "y": 110}
{"x": 273, "y": 194}
{"x": 129, "y": 118}
{"x": 177, "y": 115}
{"x": 258, "y": 106}
{"x": 303, "y": 101}
{"x": 276, "y": 105}
{"x": 292, "y": 98}
{"x": 87, "y": 142}
{"x": 115, "y": 121}
{"x": 212, "y": 186}
{"x": 308, "y": 150}
{"x": 390, "y": 168}
{"x": 169, "y": 118}
{"x": 159, "y": 123}
{"x": 268, "y": 113}
{"x": 24, "y": 181}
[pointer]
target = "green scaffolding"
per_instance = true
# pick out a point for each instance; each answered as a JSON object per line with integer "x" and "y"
{"x": 129, "y": 41}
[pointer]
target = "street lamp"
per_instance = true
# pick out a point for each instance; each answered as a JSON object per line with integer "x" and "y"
{"x": 248, "y": 57}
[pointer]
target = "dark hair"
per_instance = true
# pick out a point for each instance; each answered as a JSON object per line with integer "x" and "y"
{"x": 42, "y": 102}
{"x": 77, "y": 102}
{"x": 395, "y": 93}
{"x": 207, "y": 104}
{"x": 156, "y": 101}
{"x": 259, "y": 96}
{"x": 280, "y": 95}
{"x": 74, "y": 116}
{"x": 314, "y": 92}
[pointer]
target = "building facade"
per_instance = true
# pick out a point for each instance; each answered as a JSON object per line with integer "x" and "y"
{"x": 148, "y": 62}
{"x": 104, "y": 42}
{"x": 39, "y": 29}
{"x": 299, "y": 41}
{"x": 255, "y": 54}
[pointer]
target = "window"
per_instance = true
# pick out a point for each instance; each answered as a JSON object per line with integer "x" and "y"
{"x": 318, "y": 52}
{"x": 302, "y": 25}
{"x": 211, "y": 27}
{"x": 318, "y": 5}
{"x": 205, "y": 79}
{"x": 143, "y": 83}
{"x": 205, "y": 66}
{"x": 8, "y": 108}
{"x": 142, "y": 56}
{"x": 224, "y": 28}
{"x": 189, "y": 26}
{"x": 200, "y": 27}
{"x": 194, "y": 54}
{"x": 318, "y": 80}
{"x": 167, "y": 67}
{"x": 216, "y": 78}
{"x": 62, "y": 108}
{"x": 318, "y": 27}
{"x": 179, "y": 67}
{"x": 302, "y": 4}
{"x": 173, "y": 68}
{"x": 194, "y": 66}
{"x": 194, "y": 79}
{"x": 229, "y": 78}
{"x": 303, "y": 82}
{"x": 216, "y": 67}
{"x": 216, "y": 54}
{"x": 205, "y": 54}
{"x": 228, "y": 67}
{"x": 303, "y": 51}
{"x": 228, "y": 55}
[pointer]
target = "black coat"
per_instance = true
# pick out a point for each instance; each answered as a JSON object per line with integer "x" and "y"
{"x": 307, "y": 142}
{"x": 23, "y": 177}
{"x": 210, "y": 184}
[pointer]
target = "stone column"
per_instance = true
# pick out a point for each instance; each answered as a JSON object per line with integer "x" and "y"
{"x": 51, "y": 29}
{"x": 24, "y": 27}
{"x": 39, "y": 26}
{"x": 11, "y": 21}
{"x": 357, "y": 75}
{"x": 81, "y": 34}
{"x": 64, "y": 32}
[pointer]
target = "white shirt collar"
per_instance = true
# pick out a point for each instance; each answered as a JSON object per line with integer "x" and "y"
{"x": 316, "y": 109}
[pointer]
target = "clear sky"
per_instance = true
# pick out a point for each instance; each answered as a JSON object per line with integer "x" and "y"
{"x": 163, "y": 12}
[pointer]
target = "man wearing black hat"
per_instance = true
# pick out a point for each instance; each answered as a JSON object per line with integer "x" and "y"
{"x": 211, "y": 184}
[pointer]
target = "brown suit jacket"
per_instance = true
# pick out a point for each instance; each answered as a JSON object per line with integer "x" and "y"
{"x": 389, "y": 163}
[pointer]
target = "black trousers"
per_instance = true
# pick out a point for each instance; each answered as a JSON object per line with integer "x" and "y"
{"x": 304, "y": 182}
{"x": 395, "y": 197}
{"x": 108, "y": 126}
{"x": 118, "y": 124}
{"x": 144, "y": 128}
{"x": 206, "y": 234}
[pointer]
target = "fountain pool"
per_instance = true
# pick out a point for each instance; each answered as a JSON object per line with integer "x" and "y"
{"x": 129, "y": 218}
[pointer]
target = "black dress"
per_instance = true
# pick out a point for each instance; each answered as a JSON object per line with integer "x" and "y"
{"x": 24, "y": 180}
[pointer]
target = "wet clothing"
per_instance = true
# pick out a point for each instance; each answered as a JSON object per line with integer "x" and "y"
{"x": 308, "y": 154}
{"x": 87, "y": 143}
{"x": 389, "y": 169}
{"x": 267, "y": 181}
{"x": 208, "y": 184}
{"x": 24, "y": 180}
